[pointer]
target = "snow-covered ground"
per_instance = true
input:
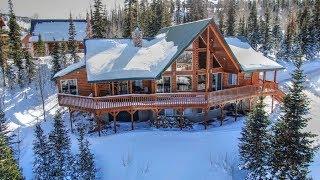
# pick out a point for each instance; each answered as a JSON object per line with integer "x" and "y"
{"x": 148, "y": 153}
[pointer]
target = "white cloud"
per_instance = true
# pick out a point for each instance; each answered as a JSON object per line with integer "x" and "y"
{"x": 54, "y": 8}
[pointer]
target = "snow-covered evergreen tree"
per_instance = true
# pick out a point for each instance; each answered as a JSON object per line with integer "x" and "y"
{"x": 221, "y": 22}
{"x": 56, "y": 57}
{"x": 316, "y": 24}
{"x": 29, "y": 66}
{"x": 85, "y": 159}
{"x": 64, "y": 61}
{"x": 72, "y": 43}
{"x": 41, "y": 166}
{"x": 4, "y": 130}
{"x": 292, "y": 144}
{"x": 130, "y": 19}
{"x": 287, "y": 46}
{"x": 277, "y": 35}
{"x": 9, "y": 169}
{"x": 266, "y": 34}
{"x": 98, "y": 25}
{"x": 178, "y": 12}
{"x": 242, "y": 27}
{"x": 167, "y": 16}
{"x": 60, "y": 157}
{"x": 231, "y": 18}
{"x": 255, "y": 143}
{"x": 40, "y": 47}
{"x": 3, "y": 59}
{"x": 15, "y": 42}
{"x": 252, "y": 25}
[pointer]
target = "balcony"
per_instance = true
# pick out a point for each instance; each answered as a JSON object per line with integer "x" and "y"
{"x": 133, "y": 102}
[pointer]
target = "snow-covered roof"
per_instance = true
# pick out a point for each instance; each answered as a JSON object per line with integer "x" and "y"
{"x": 56, "y": 29}
{"x": 70, "y": 68}
{"x": 119, "y": 59}
{"x": 248, "y": 58}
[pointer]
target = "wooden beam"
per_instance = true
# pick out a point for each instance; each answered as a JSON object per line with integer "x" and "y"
{"x": 95, "y": 90}
{"x": 275, "y": 76}
{"x": 272, "y": 103}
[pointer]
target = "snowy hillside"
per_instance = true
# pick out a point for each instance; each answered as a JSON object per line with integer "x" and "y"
{"x": 148, "y": 153}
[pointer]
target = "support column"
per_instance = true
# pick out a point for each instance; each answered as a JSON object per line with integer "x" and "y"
{"x": 180, "y": 112}
{"x": 98, "y": 121}
{"x": 275, "y": 76}
{"x": 236, "y": 111}
{"x": 205, "y": 118}
{"x": 114, "y": 115}
{"x": 132, "y": 119}
{"x": 71, "y": 118}
{"x": 95, "y": 86}
{"x": 222, "y": 114}
{"x": 250, "y": 105}
{"x": 272, "y": 103}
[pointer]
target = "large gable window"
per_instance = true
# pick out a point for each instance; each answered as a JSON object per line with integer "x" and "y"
{"x": 184, "y": 62}
{"x": 184, "y": 83}
{"x": 69, "y": 86}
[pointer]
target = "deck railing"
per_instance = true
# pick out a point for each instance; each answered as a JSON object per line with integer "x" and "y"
{"x": 149, "y": 101}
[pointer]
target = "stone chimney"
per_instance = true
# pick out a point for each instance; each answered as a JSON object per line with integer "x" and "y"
{"x": 137, "y": 37}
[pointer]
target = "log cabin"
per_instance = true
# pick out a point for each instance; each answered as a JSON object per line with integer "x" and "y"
{"x": 186, "y": 70}
{"x": 55, "y": 30}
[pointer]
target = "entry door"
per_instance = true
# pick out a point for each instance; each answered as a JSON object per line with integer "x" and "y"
{"x": 217, "y": 82}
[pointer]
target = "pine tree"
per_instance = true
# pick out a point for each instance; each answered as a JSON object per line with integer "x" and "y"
{"x": 40, "y": 47}
{"x": 266, "y": 43}
{"x": 88, "y": 27}
{"x": 29, "y": 66}
{"x": 242, "y": 27}
{"x": 130, "y": 19}
{"x": 231, "y": 19}
{"x": 221, "y": 22}
{"x": 98, "y": 26}
{"x": 64, "y": 51}
{"x": 8, "y": 166}
{"x": 287, "y": 46}
{"x": 60, "y": 157}
{"x": 15, "y": 42}
{"x": 167, "y": 16}
{"x": 3, "y": 58}
{"x": 41, "y": 166}
{"x": 56, "y": 57}
{"x": 305, "y": 32}
{"x": 85, "y": 159}
{"x": 72, "y": 43}
{"x": 316, "y": 24}
{"x": 276, "y": 33}
{"x": 292, "y": 151}
{"x": 178, "y": 16}
{"x": 4, "y": 130}
{"x": 252, "y": 29}
{"x": 254, "y": 142}
{"x": 155, "y": 18}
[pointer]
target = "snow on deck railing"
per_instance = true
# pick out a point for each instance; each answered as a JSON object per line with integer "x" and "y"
{"x": 149, "y": 101}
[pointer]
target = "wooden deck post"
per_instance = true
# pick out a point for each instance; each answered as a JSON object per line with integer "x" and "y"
{"x": 205, "y": 118}
{"x": 180, "y": 112}
{"x": 98, "y": 121}
{"x": 275, "y": 76}
{"x": 222, "y": 114}
{"x": 114, "y": 115}
{"x": 95, "y": 90}
{"x": 236, "y": 111}
{"x": 272, "y": 103}
{"x": 71, "y": 118}
{"x": 132, "y": 120}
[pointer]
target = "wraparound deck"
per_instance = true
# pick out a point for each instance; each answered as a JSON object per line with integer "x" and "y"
{"x": 134, "y": 102}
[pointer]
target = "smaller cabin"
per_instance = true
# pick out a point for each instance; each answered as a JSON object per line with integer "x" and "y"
{"x": 55, "y": 30}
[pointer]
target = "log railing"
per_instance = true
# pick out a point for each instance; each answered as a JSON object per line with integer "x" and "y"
{"x": 149, "y": 101}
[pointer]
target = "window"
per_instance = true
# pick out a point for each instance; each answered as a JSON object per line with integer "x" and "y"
{"x": 202, "y": 60}
{"x": 69, "y": 86}
{"x": 202, "y": 82}
{"x": 184, "y": 83}
{"x": 137, "y": 87}
{"x": 233, "y": 79}
{"x": 184, "y": 62}
{"x": 164, "y": 85}
{"x": 247, "y": 76}
{"x": 123, "y": 87}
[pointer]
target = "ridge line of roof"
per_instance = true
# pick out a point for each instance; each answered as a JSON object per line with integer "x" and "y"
{"x": 187, "y": 23}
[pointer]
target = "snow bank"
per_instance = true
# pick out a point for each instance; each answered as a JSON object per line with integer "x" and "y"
{"x": 248, "y": 58}
{"x": 112, "y": 59}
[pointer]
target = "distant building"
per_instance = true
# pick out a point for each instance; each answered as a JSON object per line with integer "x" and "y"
{"x": 51, "y": 30}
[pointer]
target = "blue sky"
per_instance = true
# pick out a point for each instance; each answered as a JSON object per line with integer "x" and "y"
{"x": 53, "y": 8}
